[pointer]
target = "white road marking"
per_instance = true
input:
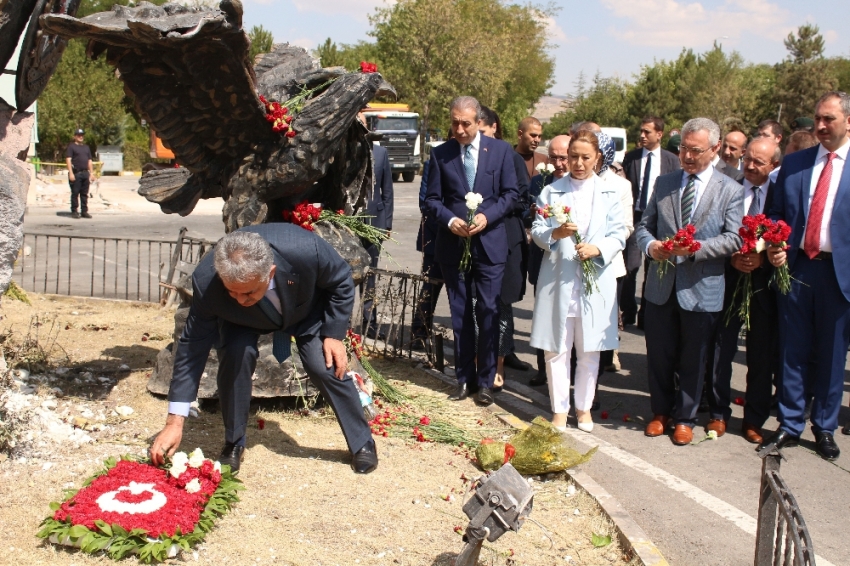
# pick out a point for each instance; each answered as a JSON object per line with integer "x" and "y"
{"x": 740, "y": 519}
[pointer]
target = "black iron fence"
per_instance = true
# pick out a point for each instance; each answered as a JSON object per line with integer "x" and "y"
{"x": 149, "y": 270}
{"x": 110, "y": 268}
{"x": 782, "y": 538}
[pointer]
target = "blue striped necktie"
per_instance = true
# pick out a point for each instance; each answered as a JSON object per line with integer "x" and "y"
{"x": 688, "y": 197}
{"x": 469, "y": 166}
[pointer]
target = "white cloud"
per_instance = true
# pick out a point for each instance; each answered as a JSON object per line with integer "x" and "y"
{"x": 680, "y": 23}
{"x": 830, "y": 36}
{"x": 553, "y": 30}
{"x": 357, "y": 8}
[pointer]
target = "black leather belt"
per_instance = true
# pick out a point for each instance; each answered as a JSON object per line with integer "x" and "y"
{"x": 823, "y": 255}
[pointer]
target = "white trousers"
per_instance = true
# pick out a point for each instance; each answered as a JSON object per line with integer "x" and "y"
{"x": 558, "y": 371}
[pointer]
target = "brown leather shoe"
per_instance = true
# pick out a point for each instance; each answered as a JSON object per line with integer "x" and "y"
{"x": 682, "y": 435}
{"x": 657, "y": 425}
{"x": 752, "y": 433}
{"x": 717, "y": 425}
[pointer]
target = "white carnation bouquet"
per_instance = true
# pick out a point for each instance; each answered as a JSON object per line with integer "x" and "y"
{"x": 473, "y": 201}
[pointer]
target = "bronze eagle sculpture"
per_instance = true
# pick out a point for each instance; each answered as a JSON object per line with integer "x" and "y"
{"x": 189, "y": 73}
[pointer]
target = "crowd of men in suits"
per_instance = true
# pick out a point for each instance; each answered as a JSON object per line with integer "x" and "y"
{"x": 280, "y": 279}
{"x": 796, "y": 342}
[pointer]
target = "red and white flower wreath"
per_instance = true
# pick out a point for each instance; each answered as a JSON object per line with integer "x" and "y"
{"x": 133, "y": 507}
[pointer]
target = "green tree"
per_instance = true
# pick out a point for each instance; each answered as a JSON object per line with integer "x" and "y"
{"x": 81, "y": 94}
{"x": 804, "y": 75}
{"x": 842, "y": 72}
{"x": 434, "y": 50}
{"x": 605, "y": 102}
{"x": 262, "y": 41}
{"x": 348, "y": 55}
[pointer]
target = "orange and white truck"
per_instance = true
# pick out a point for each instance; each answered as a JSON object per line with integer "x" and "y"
{"x": 400, "y": 129}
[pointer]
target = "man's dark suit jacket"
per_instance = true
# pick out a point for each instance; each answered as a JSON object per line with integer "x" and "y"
{"x": 495, "y": 181}
{"x": 380, "y": 204}
{"x": 631, "y": 165}
{"x": 316, "y": 294}
{"x": 791, "y": 204}
{"x": 765, "y": 295}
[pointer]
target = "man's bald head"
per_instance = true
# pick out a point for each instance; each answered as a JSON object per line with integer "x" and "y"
{"x": 760, "y": 158}
{"x": 733, "y": 148}
{"x": 529, "y": 133}
{"x": 559, "y": 148}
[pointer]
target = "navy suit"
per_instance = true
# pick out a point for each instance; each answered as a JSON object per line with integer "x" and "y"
{"x": 762, "y": 342}
{"x": 496, "y": 182}
{"x": 814, "y": 318}
{"x": 379, "y": 208}
{"x": 316, "y": 293}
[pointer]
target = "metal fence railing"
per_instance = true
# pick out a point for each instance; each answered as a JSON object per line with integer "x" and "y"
{"x": 782, "y": 538}
{"x": 149, "y": 271}
{"x": 111, "y": 268}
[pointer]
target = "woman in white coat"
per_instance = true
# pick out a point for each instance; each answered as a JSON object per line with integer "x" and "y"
{"x": 564, "y": 314}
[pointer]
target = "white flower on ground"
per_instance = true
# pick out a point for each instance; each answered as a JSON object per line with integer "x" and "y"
{"x": 196, "y": 458}
{"x": 473, "y": 201}
{"x": 193, "y": 486}
{"x": 712, "y": 434}
{"x": 179, "y": 462}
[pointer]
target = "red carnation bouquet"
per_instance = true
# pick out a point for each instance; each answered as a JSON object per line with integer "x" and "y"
{"x": 684, "y": 238}
{"x": 306, "y": 214}
{"x": 561, "y": 214}
{"x": 280, "y": 116}
{"x": 758, "y": 232}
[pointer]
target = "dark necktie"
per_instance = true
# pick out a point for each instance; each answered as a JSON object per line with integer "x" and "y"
{"x": 644, "y": 189}
{"x": 811, "y": 244}
{"x": 688, "y": 197}
{"x": 281, "y": 341}
{"x": 755, "y": 205}
{"x": 469, "y": 166}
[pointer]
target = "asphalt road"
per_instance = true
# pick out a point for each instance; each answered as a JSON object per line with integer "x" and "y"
{"x": 697, "y": 503}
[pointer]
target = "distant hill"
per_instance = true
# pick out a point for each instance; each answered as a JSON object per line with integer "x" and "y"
{"x": 548, "y": 106}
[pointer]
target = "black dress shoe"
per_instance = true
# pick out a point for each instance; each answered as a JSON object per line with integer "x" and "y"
{"x": 537, "y": 380}
{"x": 484, "y": 396}
{"x": 781, "y": 439}
{"x": 231, "y": 455}
{"x": 460, "y": 393}
{"x": 846, "y": 428}
{"x": 366, "y": 459}
{"x": 825, "y": 446}
{"x": 514, "y": 362}
{"x": 629, "y": 318}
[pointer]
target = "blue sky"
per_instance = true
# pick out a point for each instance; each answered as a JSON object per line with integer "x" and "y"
{"x": 614, "y": 37}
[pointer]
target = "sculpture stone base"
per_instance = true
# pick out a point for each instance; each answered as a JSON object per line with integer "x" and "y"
{"x": 15, "y": 178}
{"x": 271, "y": 379}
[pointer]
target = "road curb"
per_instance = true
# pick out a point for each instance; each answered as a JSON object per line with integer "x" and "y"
{"x": 632, "y": 537}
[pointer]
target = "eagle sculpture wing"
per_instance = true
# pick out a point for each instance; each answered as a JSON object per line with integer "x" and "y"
{"x": 189, "y": 73}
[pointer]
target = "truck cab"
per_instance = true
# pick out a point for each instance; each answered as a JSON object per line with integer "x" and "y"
{"x": 400, "y": 130}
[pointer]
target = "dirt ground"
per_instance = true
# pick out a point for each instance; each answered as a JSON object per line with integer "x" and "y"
{"x": 302, "y": 504}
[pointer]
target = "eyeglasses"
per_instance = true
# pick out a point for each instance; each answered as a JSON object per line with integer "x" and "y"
{"x": 616, "y": 168}
{"x": 556, "y": 158}
{"x": 693, "y": 150}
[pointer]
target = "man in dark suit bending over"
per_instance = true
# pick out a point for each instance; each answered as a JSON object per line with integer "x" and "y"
{"x": 261, "y": 279}
{"x": 468, "y": 163}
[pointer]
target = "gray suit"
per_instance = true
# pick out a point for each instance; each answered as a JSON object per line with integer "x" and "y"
{"x": 683, "y": 307}
{"x": 699, "y": 281}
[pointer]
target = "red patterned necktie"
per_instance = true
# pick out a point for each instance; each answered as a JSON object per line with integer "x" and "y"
{"x": 811, "y": 243}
